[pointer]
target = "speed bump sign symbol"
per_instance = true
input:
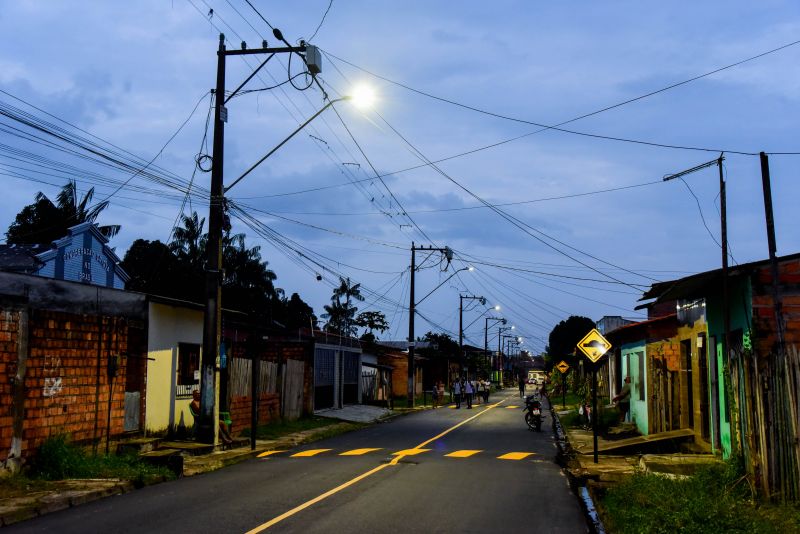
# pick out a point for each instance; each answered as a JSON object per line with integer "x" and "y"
{"x": 563, "y": 367}
{"x": 594, "y": 345}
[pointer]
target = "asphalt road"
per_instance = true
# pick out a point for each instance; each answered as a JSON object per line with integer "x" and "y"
{"x": 478, "y": 470}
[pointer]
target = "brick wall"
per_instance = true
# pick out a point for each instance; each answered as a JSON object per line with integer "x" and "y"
{"x": 62, "y": 391}
{"x": 764, "y": 312}
{"x": 9, "y": 327}
{"x": 269, "y": 409}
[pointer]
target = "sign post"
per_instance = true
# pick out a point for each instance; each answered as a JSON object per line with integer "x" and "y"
{"x": 563, "y": 367}
{"x": 594, "y": 346}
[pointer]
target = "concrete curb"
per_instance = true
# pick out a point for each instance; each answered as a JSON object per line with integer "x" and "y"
{"x": 587, "y": 504}
{"x": 31, "y": 507}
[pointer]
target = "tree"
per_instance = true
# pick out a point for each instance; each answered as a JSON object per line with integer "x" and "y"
{"x": 188, "y": 241}
{"x": 564, "y": 337}
{"x": 371, "y": 320}
{"x": 296, "y": 313}
{"x": 340, "y": 313}
{"x": 153, "y": 268}
{"x": 45, "y": 221}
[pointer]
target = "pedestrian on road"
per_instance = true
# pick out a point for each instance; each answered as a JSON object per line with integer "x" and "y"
{"x": 469, "y": 390}
{"x": 487, "y": 388}
{"x": 435, "y": 395}
{"x": 440, "y": 391}
{"x": 457, "y": 392}
{"x": 521, "y": 388}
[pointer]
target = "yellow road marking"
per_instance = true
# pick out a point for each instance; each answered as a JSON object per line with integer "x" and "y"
{"x": 515, "y": 456}
{"x": 310, "y": 452}
{"x": 410, "y": 452}
{"x": 511, "y": 407}
{"x": 269, "y": 453}
{"x": 360, "y": 477}
{"x": 358, "y": 452}
{"x": 466, "y": 453}
{"x": 452, "y": 406}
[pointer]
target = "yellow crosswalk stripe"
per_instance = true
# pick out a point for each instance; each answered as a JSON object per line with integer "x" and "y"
{"x": 409, "y": 452}
{"x": 269, "y": 453}
{"x": 310, "y": 452}
{"x": 515, "y": 456}
{"x": 466, "y": 453}
{"x": 452, "y": 406}
{"x": 357, "y": 452}
{"x": 511, "y": 407}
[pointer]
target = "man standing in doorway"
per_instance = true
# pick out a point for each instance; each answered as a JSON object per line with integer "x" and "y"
{"x": 623, "y": 400}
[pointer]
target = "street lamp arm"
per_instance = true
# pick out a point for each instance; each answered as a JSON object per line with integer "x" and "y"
{"x": 440, "y": 285}
{"x": 268, "y": 154}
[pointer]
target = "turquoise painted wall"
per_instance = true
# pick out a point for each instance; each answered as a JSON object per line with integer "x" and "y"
{"x": 740, "y": 292}
{"x": 631, "y": 353}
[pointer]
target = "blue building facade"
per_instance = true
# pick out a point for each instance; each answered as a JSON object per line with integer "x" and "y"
{"x": 83, "y": 256}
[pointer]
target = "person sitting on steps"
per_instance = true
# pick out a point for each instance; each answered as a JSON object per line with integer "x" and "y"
{"x": 224, "y": 429}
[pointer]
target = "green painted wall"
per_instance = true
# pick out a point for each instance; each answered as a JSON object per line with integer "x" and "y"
{"x": 740, "y": 292}
{"x": 631, "y": 352}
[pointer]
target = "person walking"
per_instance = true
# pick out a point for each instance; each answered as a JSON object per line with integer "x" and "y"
{"x": 435, "y": 395}
{"x": 440, "y": 391}
{"x": 457, "y": 392}
{"x": 521, "y": 387}
{"x": 469, "y": 390}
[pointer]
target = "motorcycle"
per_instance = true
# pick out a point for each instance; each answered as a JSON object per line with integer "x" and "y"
{"x": 533, "y": 412}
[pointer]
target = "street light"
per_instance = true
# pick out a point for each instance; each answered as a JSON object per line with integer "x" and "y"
{"x": 500, "y": 331}
{"x": 486, "y": 335}
{"x": 207, "y": 421}
{"x": 461, "y": 298}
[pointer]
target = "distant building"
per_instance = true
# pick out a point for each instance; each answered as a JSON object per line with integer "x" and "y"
{"x": 81, "y": 256}
{"x": 611, "y": 322}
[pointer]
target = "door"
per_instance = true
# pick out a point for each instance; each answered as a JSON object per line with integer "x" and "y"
{"x": 292, "y": 394}
{"x": 686, "y": 358}
{"x": 350, "y": 378}
{"x": 702, "y": 363}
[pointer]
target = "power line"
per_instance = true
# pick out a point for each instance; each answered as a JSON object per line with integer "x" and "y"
{"x": 321, "y": 21}
{"x": 545, "y": 127}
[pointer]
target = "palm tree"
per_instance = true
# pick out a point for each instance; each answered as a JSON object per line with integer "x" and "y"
{"x": 45, "y": 221}
{"x": 188, "y": 241}
{"x": 341, "y": 313}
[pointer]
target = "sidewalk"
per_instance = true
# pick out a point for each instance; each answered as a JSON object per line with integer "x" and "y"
{"x": 63, "y": 494}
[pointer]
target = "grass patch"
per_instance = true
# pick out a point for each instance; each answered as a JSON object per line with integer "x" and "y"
{"x": 280, "y": 428}
{"x": 716, "y": 499}
{"x": 58, "y": 459}
{"x": 17, "y": 485}
{"x": 572, "y": 399}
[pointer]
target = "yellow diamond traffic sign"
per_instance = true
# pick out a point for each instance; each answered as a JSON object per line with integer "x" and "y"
{"x": 563, "y": 366}
{"x": 594, "y": 345}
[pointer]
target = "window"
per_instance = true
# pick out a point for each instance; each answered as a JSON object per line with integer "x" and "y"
{"x": 188, "y": 365}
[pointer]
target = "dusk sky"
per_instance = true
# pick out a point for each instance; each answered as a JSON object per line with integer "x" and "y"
{"x": 583, "y": 223}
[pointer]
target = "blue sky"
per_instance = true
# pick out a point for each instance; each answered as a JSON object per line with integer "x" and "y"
{"x": 131, "y": 73}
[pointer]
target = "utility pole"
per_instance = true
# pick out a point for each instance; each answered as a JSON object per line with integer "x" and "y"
{"x": 411, "y": 341}
{"x": 207, "y": 424}
{"x": 726, "y": 314}
{"x": 773, "y": 259}
{"x": 486, "y": 340}
{"x": 448, "y": 254}
{"x": 482, "y": 300}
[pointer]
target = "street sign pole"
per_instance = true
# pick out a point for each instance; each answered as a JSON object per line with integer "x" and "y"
{"x": 594, "y": 410}
{"x": 563, "y": 390}
{"x": 594, "y": 346}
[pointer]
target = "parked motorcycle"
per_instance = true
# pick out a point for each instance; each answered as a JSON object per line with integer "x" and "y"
{"x": 533, "y": 412}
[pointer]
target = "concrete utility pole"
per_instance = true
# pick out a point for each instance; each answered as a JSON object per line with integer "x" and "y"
{"x": 448, "y": 254}
{"x": 461, "y": 298}
{"x": 207, "y": 425}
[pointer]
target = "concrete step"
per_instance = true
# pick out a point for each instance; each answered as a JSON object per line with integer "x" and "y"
{"x": 170, "y": 458}
{"x": 138, "y": 445}
{"x": 191, "y": 448}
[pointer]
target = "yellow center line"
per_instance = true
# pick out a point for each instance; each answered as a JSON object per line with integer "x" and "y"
{"x": 362, "y": 476}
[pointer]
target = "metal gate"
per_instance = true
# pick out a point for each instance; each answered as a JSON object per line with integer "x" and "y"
{"x": 324, "y": 378}
{"x": 352, "y": 371}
